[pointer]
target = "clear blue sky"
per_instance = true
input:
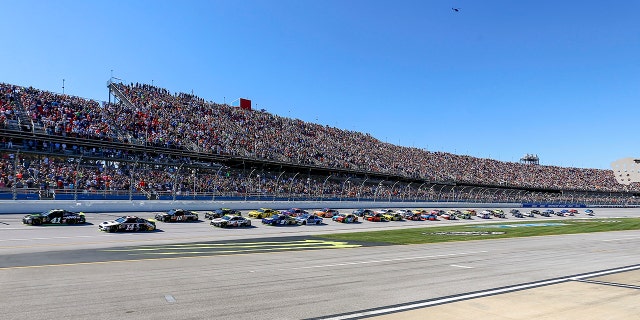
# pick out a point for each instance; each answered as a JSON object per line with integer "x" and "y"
{"x": 498, "y": 79}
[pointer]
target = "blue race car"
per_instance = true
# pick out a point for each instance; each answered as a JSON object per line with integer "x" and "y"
{"x": 308, "y": 219}
{"x": 279, "y": 220}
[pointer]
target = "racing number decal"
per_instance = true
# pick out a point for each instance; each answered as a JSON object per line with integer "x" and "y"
{"x": 130, "y": 227}
{"x": 179, "y": 218}
{"x": 56, "y": 220}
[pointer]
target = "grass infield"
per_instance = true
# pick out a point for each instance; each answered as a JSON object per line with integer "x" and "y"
{"x": 506, "y": 229}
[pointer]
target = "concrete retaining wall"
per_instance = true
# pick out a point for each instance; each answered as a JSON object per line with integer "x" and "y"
{"x": 33, "y": 206}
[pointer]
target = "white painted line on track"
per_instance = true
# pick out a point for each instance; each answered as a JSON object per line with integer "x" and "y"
{"x": 384, "y": 260}
{"x": 169, "y": 298}
{"x": 622, "y": 239}
{"x": 478, "y": 294}
{"x": 459, "y": 266}
{"x": 51, "y": 238}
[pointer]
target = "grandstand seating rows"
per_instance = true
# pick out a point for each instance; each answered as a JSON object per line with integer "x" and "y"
{"x": 154, "y": 116}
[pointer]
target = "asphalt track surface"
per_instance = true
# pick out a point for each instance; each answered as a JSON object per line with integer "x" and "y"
{"x": 195, "y": 271}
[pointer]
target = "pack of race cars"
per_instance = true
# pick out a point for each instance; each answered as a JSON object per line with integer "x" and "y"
{"x": 230, "y": 218}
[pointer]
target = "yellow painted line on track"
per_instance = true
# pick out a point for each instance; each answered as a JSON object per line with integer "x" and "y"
{"x": 247, "y": 251}
{"x": 297, "y": 244}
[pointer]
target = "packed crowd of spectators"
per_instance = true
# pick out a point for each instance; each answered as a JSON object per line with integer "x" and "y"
{"x": 158, "y": 117}
{"x": 59, "y": 174}
{"x": 8, "y": 96}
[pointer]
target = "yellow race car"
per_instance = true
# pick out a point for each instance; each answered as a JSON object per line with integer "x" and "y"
{"x": 262, "y": 213}
{"x": 393, "y": 216}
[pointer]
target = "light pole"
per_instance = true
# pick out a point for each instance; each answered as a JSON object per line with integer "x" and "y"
{"x": 277, "y": 193}
{"x": 259, "y": 187}
{"x": 62, "y": 86}
{"x": 291, "y": 184}
{"x": 323, "y": 183}
{"x": 194, "y": 172}
{"x": 361, "y": 186}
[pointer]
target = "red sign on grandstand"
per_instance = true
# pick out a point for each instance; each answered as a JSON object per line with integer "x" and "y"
{"x": 242, "y": 103}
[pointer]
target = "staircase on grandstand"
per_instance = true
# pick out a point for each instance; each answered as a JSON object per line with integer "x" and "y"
{"x": 114, "y": 89}
{"x": 24, "y": 122}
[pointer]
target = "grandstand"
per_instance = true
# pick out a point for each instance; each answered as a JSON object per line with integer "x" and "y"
{"x": 150, "y": 143}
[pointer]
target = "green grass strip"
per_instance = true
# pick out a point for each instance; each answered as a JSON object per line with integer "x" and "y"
{"x": 476, "y": 231}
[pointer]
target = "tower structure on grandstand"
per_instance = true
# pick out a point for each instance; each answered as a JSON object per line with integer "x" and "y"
{"x": 530, "y": 159}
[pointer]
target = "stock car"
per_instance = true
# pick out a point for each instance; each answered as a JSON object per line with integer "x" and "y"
{"x": 279, "y": 220}
{"x": 437, "y": 212}
{"x": 429, "y": 216}
{"x": 463, "y": 215}
{"x": 415, "y": 217}
{"x": 516, "y": 213}
{"x": 589, "y": 212}
{"x": 498, "y": 213}
{"x": 392, "y": 216}
{"x": 326, "y": 213}
{"x": 262, "y": 213}
{"x": 574, "y": 211}
{"x": 294, "y": 212}
{"x": 55, "y": 216}
{"x": 470, "y": 212}
{"x": 362, "y": 212}
{"x": 376, "y": 217}
{"x": 345, "y": 218}
{"x": 485, "y": 214}
{"x": 449, "y": 215}
{"x": 128, "y": 223}
{"x": 404, "y": 212}
{"x": 177, "y": 215}
{"x": 564, "y": 213}
{"x": 547, "y": 213}
{"x": 219, "y": 213}
{"x": 308, "y": 219}
{"x": 231, "y": 221}
{"x": 534, "y": 211}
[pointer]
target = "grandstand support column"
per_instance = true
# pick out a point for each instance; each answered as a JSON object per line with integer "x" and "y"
{"x": 308, "y": 189}
{"x": 277, "y": 193}
{"x": 75, "y": 182}
{"x": 322, "y": 191}
{"x": 392, "y": 187}
{"x": 360, "y": 190}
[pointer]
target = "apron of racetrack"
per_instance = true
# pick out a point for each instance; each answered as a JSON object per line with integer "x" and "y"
{"x": 615, "y": 296}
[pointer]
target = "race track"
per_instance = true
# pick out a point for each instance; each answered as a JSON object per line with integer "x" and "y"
{"x": 195, "y": 271}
